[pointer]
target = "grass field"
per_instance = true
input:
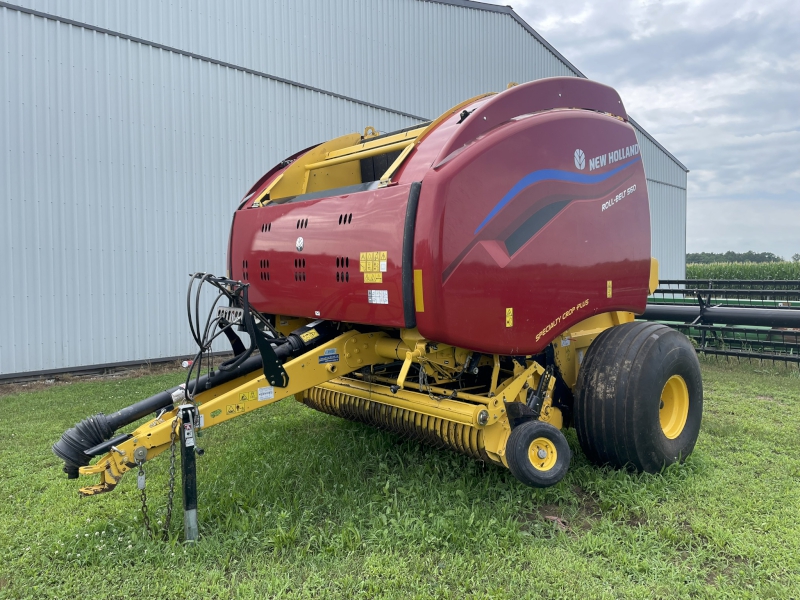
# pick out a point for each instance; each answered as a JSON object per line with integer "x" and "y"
{"x": 294, "y": 503}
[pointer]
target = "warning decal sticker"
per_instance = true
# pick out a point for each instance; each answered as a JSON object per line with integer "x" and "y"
{"x": 309, "y": 335}
{"x": 372, "y": 264}
{"x": 245, "y": 396}
{"x": 378, "y": 296}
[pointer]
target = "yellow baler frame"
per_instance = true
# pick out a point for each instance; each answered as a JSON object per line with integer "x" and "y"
{"x": 359, "y": 350}
{"x": 483, "y": 414}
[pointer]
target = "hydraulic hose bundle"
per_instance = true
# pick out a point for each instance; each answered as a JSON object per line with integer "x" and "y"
{"x": 90, "y": 433}
{"x": 92, "y": 436}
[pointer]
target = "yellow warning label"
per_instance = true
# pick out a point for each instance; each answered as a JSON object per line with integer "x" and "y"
{"x": 509, "y": 317}
{"x": 245, "y": 396}
{"x": 373, "y": 262}
{"x": 309, "y": 335}
{"x": 232, "y": 409}
{"x": 373, "y": 277}
{"x": 608, "y": 289}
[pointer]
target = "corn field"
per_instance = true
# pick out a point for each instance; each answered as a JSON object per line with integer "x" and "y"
{"x": 775, "y": 270}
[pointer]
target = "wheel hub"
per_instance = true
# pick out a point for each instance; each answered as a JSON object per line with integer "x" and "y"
{"x": 674, "y": 407}
{"x": 543, "y": 454}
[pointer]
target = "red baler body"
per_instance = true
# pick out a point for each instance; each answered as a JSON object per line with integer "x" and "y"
{"x": 486, "y": 215}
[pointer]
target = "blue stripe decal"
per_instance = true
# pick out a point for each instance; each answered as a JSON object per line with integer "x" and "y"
{"x": 551, "y": 175}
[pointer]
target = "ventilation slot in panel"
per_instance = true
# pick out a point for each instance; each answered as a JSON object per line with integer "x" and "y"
{"x": 342, "y": 262}
{"x": 264, "y": 265}
{"x": 299, "y": 269}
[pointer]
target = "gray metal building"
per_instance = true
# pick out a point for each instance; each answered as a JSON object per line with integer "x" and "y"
{"x": 129, "y": 131}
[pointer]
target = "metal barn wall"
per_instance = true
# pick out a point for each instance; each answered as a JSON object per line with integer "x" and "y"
{"x": 133, "y": 130}
{"x": 122, "y": 166}
{"x": 415, "y": 56}
{"x": 668, "y": 227}
{"x": 666, "y": 187}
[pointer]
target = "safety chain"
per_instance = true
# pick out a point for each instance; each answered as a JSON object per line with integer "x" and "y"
{"x": 144, "y": 500}
{"x": 170, "y": 494}
{"x": 424, "y": 386}
{"x": 172, "y": 438}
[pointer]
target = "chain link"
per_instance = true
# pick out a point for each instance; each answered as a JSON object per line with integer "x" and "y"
{"x": 144, "y": 504}
{"x": 424, "y": 386}
{"x": 170, "y": 494}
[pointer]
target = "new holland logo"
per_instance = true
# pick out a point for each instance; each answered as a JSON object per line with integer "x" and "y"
{"x": 580, "y": 159}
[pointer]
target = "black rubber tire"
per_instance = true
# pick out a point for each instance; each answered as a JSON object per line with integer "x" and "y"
{"x": 618, "y": 396}
{"x": 520, "y": 464}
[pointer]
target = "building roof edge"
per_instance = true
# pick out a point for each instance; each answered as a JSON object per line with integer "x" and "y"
{"x": 507, "y": 10}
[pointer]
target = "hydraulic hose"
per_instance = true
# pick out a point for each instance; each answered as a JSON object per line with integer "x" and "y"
{"x": 74, "y": 442}
{"x": 97, "y": 429}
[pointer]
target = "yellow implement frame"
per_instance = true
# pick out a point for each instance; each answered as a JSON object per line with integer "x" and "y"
{"x": 479, "y": 420}
{"x": 238, "y": 397}
{"x": 482, "y": 414}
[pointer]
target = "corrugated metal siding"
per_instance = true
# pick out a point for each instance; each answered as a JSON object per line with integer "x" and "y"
{"x": 126, "y": 161}
{"x": 658, "y": 166}
{"x": 666, "y": 188}
{"x": 122, "y": 165}
{"x": 422, "y": 56}
{"x": 668, "y": 227}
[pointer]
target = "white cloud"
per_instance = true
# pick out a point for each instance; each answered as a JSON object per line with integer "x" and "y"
{"x": 716, "y": 225}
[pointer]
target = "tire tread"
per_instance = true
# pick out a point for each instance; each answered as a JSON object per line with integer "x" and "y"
{"x": 610, "y": 389}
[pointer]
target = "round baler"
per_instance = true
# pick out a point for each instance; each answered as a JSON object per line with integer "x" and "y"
{"x": 471, "y": 282}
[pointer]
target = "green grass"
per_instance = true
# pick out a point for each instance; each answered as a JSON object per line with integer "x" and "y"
{"x": 294, "y": 503}
{"x": 776, "y": 270}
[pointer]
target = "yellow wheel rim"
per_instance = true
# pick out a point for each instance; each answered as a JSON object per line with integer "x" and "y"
{"x": 674, "y": 407}
{"x": 543, "y": 454}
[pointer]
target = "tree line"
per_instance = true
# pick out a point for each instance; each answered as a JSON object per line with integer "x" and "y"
{"x": 736, "y": 257}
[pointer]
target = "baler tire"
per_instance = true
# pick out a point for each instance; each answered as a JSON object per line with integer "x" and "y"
{"x": 639, "y": 398}
{"x": 527, "y": 439}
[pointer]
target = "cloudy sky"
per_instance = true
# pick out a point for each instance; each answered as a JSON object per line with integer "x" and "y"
{"x": 717, "y": 82}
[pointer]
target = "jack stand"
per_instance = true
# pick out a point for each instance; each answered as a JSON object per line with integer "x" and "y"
{"x": 189, "y": 472}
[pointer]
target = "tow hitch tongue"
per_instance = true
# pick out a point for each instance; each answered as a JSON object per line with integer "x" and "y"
{"x": 233, "y": 387}
{"x": 92, "y": 436}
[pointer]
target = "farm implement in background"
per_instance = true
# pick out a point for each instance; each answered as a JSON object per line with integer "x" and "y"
{"x": 753, "y": 319}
